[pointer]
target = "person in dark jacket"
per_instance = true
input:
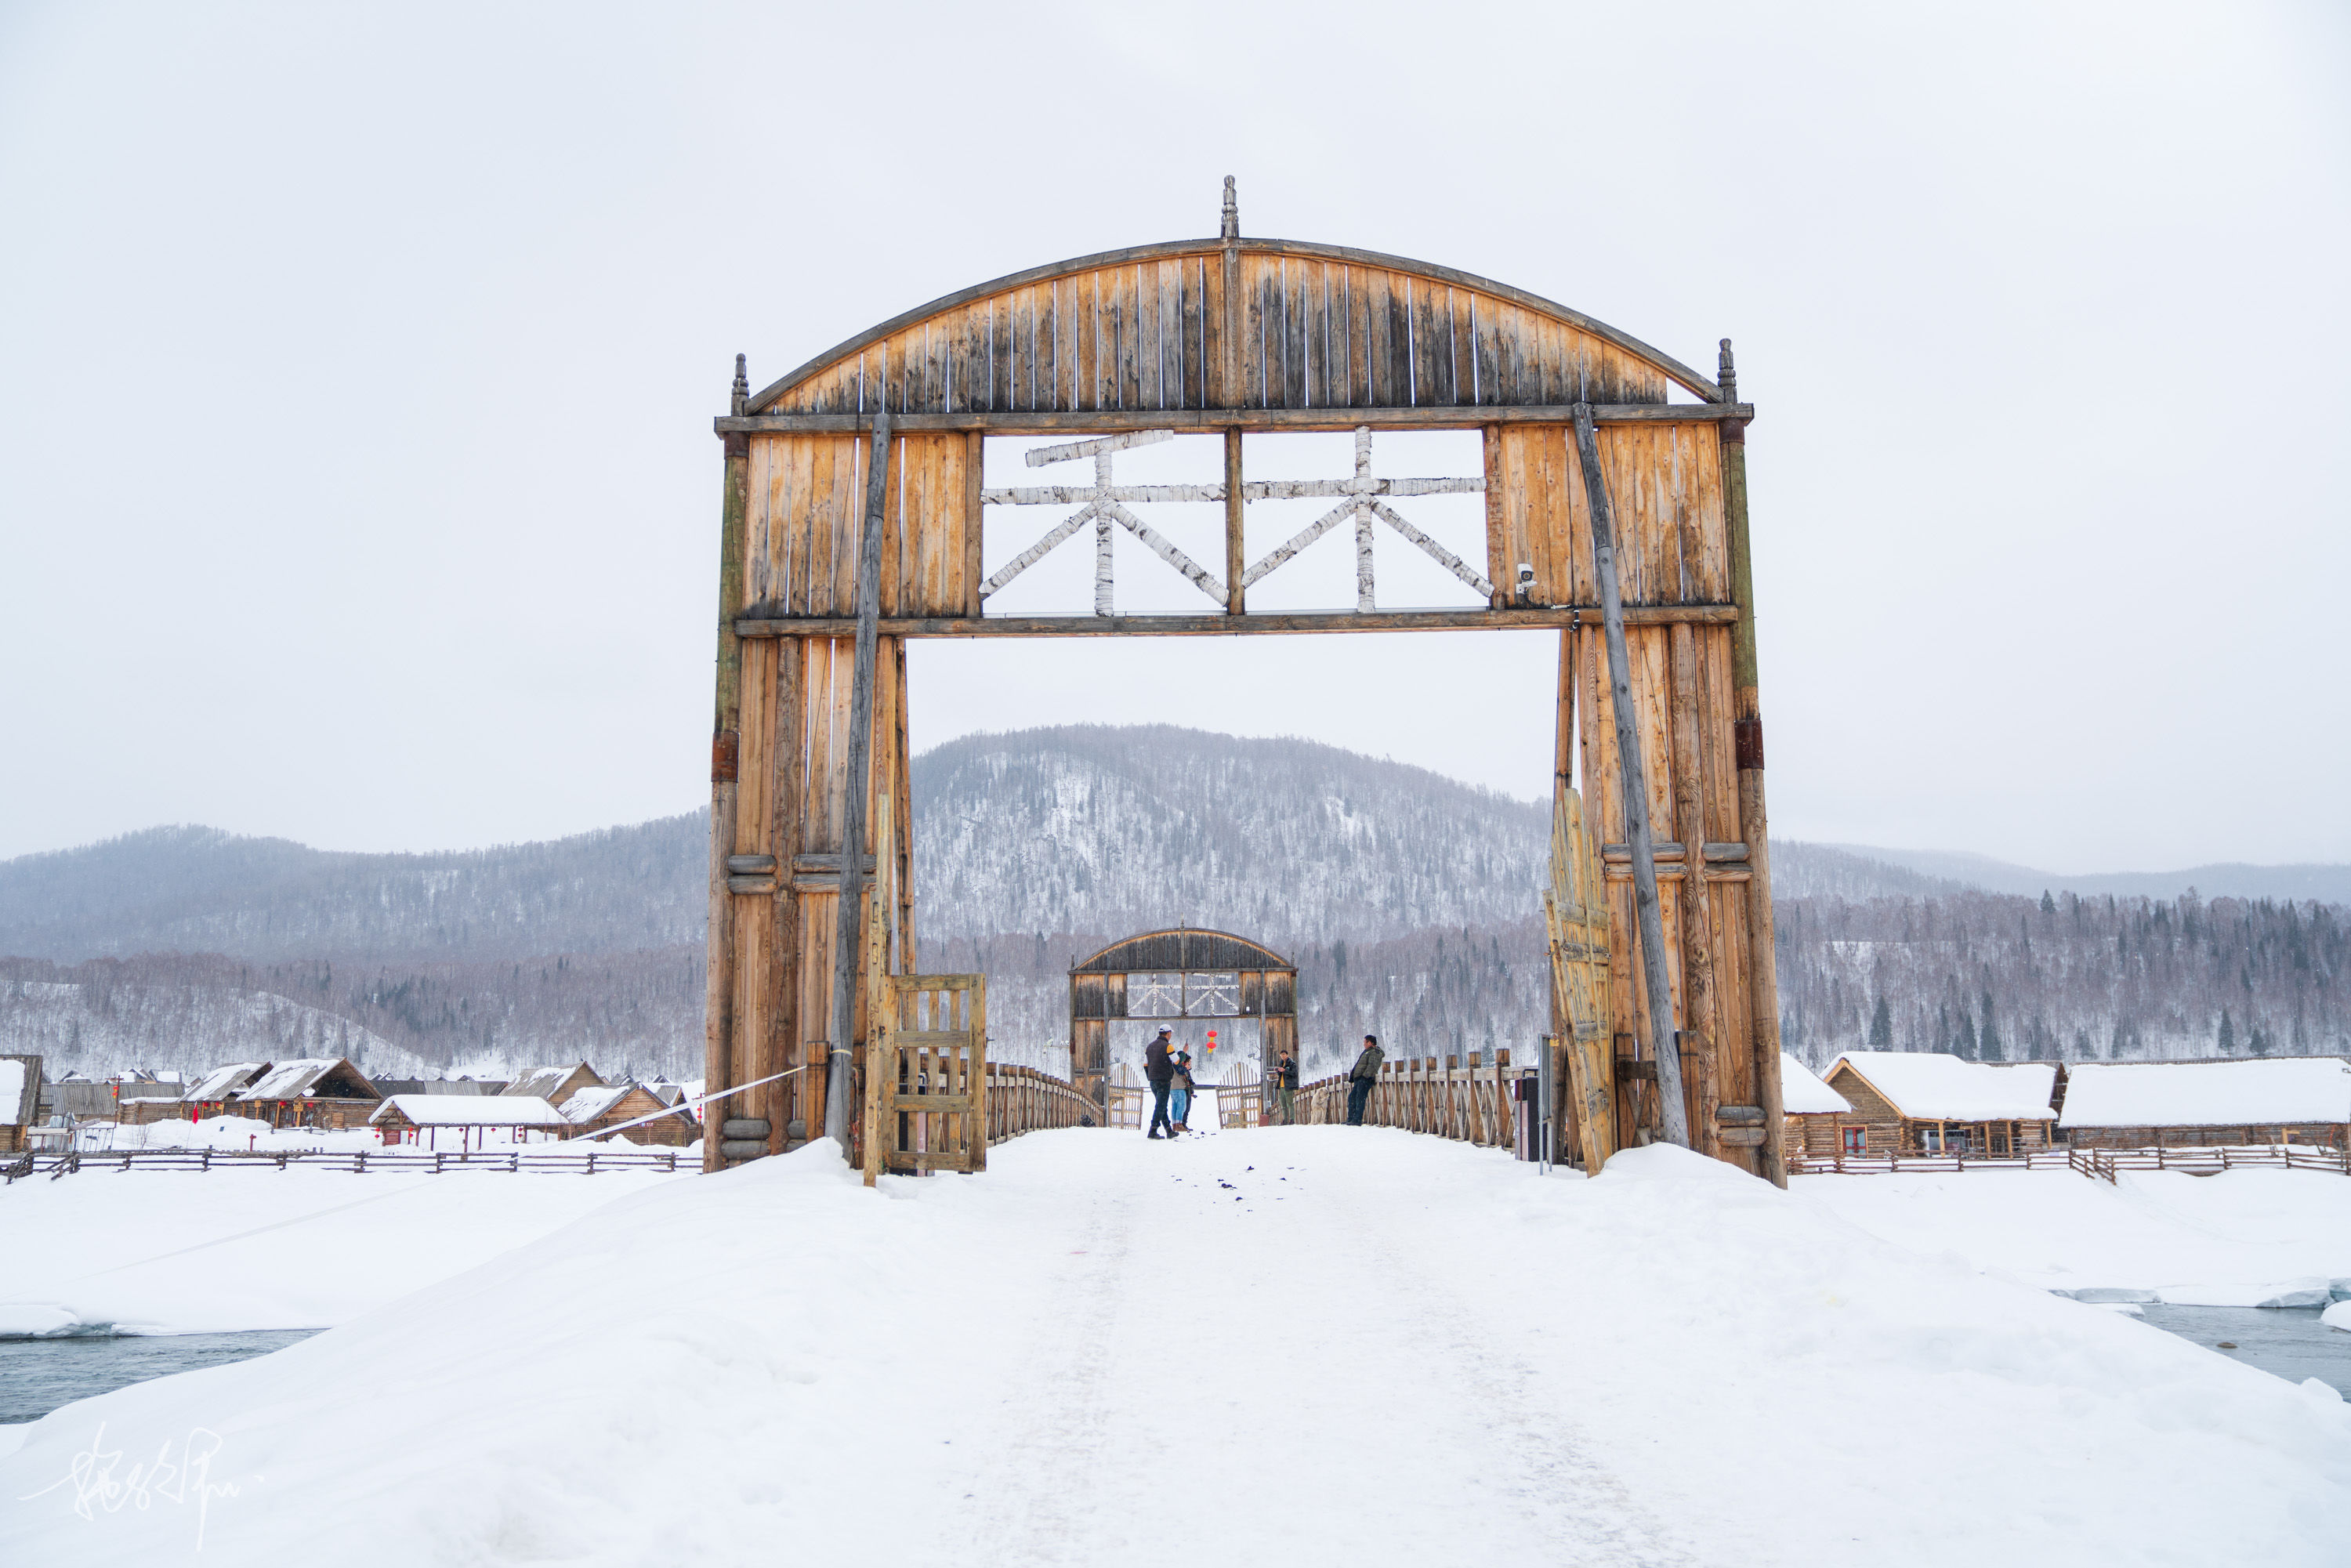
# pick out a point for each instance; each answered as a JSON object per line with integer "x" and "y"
{"x": 1160, "y": 1071}
{"x": 1285, "y": 1086}
{"x": 1360, "y": 1077}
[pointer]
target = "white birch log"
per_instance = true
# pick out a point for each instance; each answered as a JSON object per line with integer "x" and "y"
{"x": 1363, "y": 601}
{"x": 1436, "y": 552}
{"x": 1096, "y": 448}
{"x": 1306, "y": 536}
{"x": 1035, "y": 552}
{"x": 1164, "y": 549}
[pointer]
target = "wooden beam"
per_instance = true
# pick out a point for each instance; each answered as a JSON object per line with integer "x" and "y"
{"x": 725, "y": 747}
{"x": 1664, "y": 1047}
{"x": 1763, "y": 976}
{"x": 861, "y": 762}
{"x": 1537, "y": 619}
{"x": 1041, "y": 423}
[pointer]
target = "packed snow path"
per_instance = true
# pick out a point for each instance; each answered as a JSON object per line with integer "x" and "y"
{"x": 1243, "y": 1368}
{"x": 1319, "y": 1344}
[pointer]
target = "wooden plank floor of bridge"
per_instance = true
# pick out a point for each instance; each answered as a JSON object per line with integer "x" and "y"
{"x": 1242, "y": 1369}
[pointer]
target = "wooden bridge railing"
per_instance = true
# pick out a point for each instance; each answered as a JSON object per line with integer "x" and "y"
{"x": 1024, "y": 1100}
{"x": 1475, "y": 1100}
{"x": 356, "y": 1161}
{"x": 2100, "y": 1165}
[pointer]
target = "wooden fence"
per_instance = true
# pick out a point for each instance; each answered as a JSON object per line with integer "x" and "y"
{"x": 2098, "y": 1164}
{"x": 1024, "y": 1100}
{"x": 2103, "y": 1164}
{"x": 1475, "y": 1100}
{"x": 356, "y": 1161}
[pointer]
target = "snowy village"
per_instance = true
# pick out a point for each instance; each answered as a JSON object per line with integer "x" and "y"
{"x": 731, "y": 836}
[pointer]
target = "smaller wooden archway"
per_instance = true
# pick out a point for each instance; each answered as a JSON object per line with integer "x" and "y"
{"x": 1203, "y": 974}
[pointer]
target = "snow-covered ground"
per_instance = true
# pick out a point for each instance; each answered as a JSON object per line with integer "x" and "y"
{"x": 1312, "y": 1344}
{"x": 189, "y": 1251}
{"x": 2235, "y": 1239}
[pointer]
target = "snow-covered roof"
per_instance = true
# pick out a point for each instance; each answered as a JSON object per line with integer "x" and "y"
{"x": 218, "y": 1084}
{"x": 15, "y": 1107}
{"x": 587, "y": 1105}
{"x": 1802, "y": 1093}
{"x": 292, "y": 1080}
{"x": 2209, "y": 1093}
{"x": 471, "y": 1110}
{"x": 542, "y": 1082}
{"x": 1932, "y": 1085}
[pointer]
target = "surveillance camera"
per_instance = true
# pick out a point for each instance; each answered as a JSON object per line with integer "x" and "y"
{"x": 1526, "y": 579}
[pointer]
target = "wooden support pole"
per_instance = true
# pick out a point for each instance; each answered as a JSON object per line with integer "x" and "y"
{"x": 1762, "y": 973}
{"x": 1698, "y": 924}
{"x": 1674, "y": 1113}
{"x": 725, "y": 744}
{"x": 1236, "y": 510}
{"x": 848, "y": 926}
{"x": 788, "y": 732}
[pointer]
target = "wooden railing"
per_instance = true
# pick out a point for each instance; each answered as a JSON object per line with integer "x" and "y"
{"x": 1475, "y": 1102}
{"x": 2098, "y": 1164}
{"x": 1884, "y": 1163}
{"x": 1024, "y": 1100}
{"x": 356, "y": 1161}
{"x": 2103, "y": 1164}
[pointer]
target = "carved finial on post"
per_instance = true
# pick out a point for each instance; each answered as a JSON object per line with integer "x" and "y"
{"x": 1232, "y": 229}
{"x": 1727, "y": 375}
{"x": 742, "y": 385}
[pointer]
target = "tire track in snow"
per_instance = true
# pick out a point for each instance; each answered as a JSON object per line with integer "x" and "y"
{"x": 1550, "y": 1469}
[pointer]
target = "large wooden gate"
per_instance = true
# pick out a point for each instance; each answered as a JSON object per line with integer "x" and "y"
{"x": 1614, "y": 484}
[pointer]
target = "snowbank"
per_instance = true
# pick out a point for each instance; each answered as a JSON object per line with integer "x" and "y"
{"x": 1802, "y": 1092}
{"x": 187, "y": 1252}
{"x": 2152, "y": 1231}
{"x": 2207, "y": 1094}
{"x": 1937, "y": 1086}
{"x": 1442, "y": 1357}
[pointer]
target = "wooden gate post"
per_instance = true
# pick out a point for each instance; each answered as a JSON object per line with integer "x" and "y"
{"x": 1674, "y": 1112}
{"x": 726, "y": 752}
{"x": 861, "y": 766}
{"x": 1762, "y": 973}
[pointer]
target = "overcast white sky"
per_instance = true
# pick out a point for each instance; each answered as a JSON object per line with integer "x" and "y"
{"x": 356, "y": 365}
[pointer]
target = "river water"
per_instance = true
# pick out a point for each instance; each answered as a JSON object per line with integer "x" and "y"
{"x": 36, "y": 1375}
{"x": 2288, "y": 1341}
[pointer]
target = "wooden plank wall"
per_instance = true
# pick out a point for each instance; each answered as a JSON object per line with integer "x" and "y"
{"x": 1304, "y": 332}
{"x": 1664, "y": 482}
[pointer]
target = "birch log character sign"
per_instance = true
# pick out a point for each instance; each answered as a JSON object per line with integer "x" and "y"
{"x": 855, "y": 516}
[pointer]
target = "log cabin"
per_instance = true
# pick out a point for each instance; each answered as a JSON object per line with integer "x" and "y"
{"x": 1820, "y": 1120}
{"x": 20, "y": 1099}
{"x": 466, "y": 1120}
{"x": 1932, "y": 1102}
{"x": 554, "y": 1085}
{"x": 2186, "y": 1104}
{"x": 214, "y": 1094}
{"x": 323, "y": 1093}
{"x": 608, "y": 1106}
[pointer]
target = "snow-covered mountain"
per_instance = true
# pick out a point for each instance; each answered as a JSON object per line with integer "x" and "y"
{"x": 1410, "y": 903}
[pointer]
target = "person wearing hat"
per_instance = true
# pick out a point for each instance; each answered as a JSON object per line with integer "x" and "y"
{"x": 1160, "y": 1069}
{"x": 1181, "y": 1099}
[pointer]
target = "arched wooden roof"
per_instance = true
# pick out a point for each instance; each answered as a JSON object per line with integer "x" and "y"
{"x": 1251, "y": 323}
{"x": 1162, "y": 951}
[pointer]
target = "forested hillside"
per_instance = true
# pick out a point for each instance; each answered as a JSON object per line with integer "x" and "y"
{"x": 1410, "y": 903}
